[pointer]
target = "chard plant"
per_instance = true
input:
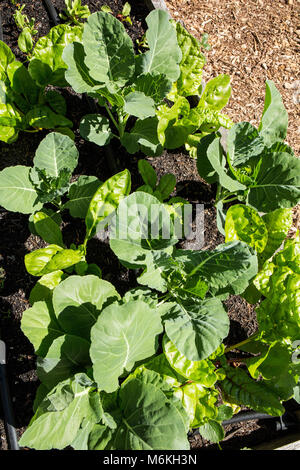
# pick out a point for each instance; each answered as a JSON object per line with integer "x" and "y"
{"x": 27, "y": 28}
{"x": 253, "y": 166}
{"x": 132, "y": 88}
{"x": 75, "y": 12}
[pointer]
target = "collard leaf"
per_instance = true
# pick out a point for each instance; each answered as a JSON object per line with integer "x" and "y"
{"x": 80, "y": 195}
{"x": 144, "y": 404}
{"x": 155, "y": 86}
{"x": 57, "y": 428}
{"x": 77, "y": 73}
{"x": 40, "y": 326}
{"x": 212, "y": 431}
{"x": 55, "y": 153}
{"x": 277, "y": 184}
{"x": 96, "y": 128}
{"x": 142, "y": 225}
{"x": 43, "y": 289}
{"x": 143, "y": 137}
{"x": 17, "y": 193}
{"x": 78, "y": 301}
{"x": 196, "y": 327}
{"x": 139, "y": 105}
{"x": 243, "y": 143}
{"x": 164, "y": 54}
{"x": 274, "y": 121}
{"x": 67, "y": 355}
{"x": 244, "y": 223}
{"x": 108, "y": 48}
{"x": 123, "y": 335}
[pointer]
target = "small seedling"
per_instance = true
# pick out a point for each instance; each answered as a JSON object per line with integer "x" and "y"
{"x": 75, "y": 12}
{"x": 27, "y": 28}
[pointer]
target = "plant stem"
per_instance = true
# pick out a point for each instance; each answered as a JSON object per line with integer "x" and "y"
{"x": 237, "y": 345}
{"x": 112, "y": 118}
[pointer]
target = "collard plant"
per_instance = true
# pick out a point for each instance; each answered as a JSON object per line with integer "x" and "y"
{"x": 132, "y": 88}
{"x": 45, "y": 191}
{"x": 146, "y": 368}
{"x": 253, "y": 166}
{"x": 25, "y": 103}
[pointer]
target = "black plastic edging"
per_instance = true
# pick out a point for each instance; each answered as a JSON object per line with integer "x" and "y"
{"x": 9, "y": 421}
{"x": 52, "y": 13}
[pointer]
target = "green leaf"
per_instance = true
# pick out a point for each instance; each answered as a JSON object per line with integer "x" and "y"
{"x": 17, "y": 193}
{"x": 46, "y": 65}
{"x": 199, "y": 403}
{"x": 191, "y": 65}
{"x": 108, "y": 48}
{"x": 164, "y": 54}
{"x": 244, "y": 223}
{"x": 148, "y": 173}
{"x": 142, "y": 226}
{"x": 274, "y": 121}
{"x": 196, "y": 327}
{"x": 172, "y": 131}
{"x": 51, "y": 258}
{"x": 56, "y": 101}
{"x": 216, "y": 93}
{"x": 42, "y": 117}
{"x": 149, "y": 420}
{"x": 278, "y": 224}
{"x": 47, "y": 228}
{"x": 122, "y": 335}
{"x": 23, "y": 85}
{"x": 277, "y": 184}
{"x": 43, "y": 289}
{"x": 212, "y": 431}
{"x": 143, "y": 136}
{"x": 6, "y": 57}
{"x": 139, "y": 105}
{"x": 166, "y": 185}
{"x": 78, "y": 301}
{"x": 155, "y": 86}
{"x": 80, "y": 195}
{"x": 95, "y": 128}
{"x": 55, "y": 153}
{"x": 243, "y": 390}
{"x": 202, "y": 372}
{"x": 40, "y": 326}
{"x": 66, "y": 356}
{"x": 106, "y": 200}
{"x": 77, "y": 74}
{"x": 243, "y": 143}
{"x": 25, "y": 41}
{"x": 57, "y": 427}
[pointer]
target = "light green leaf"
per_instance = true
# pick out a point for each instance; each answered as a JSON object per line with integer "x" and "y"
{"x": 43, "y": 289}
{"x": 77, "y": 73}
{"x": 47, "y": 228}
{"x": 46, "y": 65}
{"x": 123, "y": 335}
{"x": 78, "y": 301}
{"x": 164, "y": 54}
{"x": 139, "y": 105}
{"x": 143, "y": 137}
{"x": 51, "y": 258}
{"x": 274, "y": 121}
{"x": 56, "y": 152}
{"x": 17, "y": 193}
{"x": 80, "y": 195}
{"x": 108, "y": 48}
{"x": 156, "y": 86}
{"x": 212, "y": 431}
{"x": 277, "y": 184}
{"x": 278, "y": 224}
{"x": 106, "y": 200}
{"x": 196, "y": 327}
{"x": 216, "y": 93}
{"x": 244, "y": 223}
{"x": 96, "y": 128}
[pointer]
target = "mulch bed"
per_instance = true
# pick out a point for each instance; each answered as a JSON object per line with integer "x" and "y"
{"x": 15, "y": 238}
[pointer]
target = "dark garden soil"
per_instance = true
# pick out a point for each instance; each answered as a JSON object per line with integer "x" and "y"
{"x": 16, "y": 240}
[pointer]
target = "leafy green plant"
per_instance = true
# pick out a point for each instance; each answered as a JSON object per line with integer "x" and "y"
{"x": 25, "y": 104}
{"x": 75, "y": 12}
{"x": 27, "y": 28}
{"x": 124, "y": 15}
{"x": 132, "y": 88}
{"x": 155, "y": 355}
{"x": 257, "y": 166}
